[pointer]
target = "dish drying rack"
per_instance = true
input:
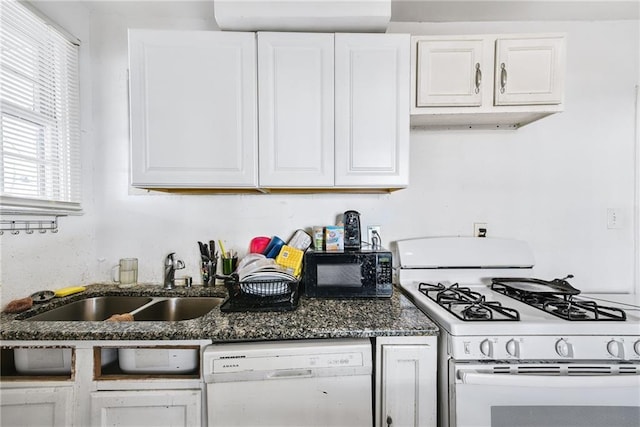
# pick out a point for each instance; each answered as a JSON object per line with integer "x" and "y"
{"x": 260, "y": 295}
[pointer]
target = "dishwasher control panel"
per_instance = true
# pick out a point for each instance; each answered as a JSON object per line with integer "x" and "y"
{"x": 269, "y": 360}
{"x": 242, "y": 363}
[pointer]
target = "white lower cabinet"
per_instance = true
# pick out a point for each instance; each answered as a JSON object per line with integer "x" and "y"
{"x": 37, "y": 406}
{"x": 406, "y": 381}
{"x": 146, "y": 408}
{"x": 99, "y": 393}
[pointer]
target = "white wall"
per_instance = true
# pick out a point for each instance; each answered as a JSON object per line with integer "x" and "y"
{"x": 548, "y": 183}
{"x": 29, "y": 263}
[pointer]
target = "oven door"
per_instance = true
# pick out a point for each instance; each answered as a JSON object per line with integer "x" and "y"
{"x": 545, "y": 395}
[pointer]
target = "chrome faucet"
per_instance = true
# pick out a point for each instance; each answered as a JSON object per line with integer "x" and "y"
{"x": 170, "y": 266}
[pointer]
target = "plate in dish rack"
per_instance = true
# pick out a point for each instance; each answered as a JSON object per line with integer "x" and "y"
{"x": 267, "y": 284}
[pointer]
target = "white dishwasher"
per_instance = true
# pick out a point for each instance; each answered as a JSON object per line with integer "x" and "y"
{"x": 289, "y": 383}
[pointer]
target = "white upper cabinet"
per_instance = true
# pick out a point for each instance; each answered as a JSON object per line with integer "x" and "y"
{"x": 334, "y": 110}
{"x": 450, "y": 73}
{"x": 193, "y": 107}
{"x": 529, "y": 71}
{"x": 220, "y": 110}
{"x": 295, "y": 86}
{"x": 496, "y": 81}
{"x": 372, "y": 110}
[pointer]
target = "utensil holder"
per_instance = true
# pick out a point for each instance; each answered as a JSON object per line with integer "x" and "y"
{"x": 208, "y": 272}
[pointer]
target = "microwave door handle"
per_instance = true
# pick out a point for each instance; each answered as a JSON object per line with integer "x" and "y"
{"x": 545, "y": 381}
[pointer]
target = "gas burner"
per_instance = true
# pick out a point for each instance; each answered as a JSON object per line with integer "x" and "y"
{"x": 475, "y": 312}
{"x": 566, "y": 310}
{"x": 466, "y": 304}
{"x": 532, "y": 299}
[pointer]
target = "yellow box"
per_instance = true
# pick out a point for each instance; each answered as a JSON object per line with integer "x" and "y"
{"x": 291, "y": 259}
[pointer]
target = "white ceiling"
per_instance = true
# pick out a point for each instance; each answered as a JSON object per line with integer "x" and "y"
{"x": 513, "y": 10}
{"x": 423, "y": 10}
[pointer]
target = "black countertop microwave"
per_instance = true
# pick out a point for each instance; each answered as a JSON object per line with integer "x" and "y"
{"x": 348, "y": 274}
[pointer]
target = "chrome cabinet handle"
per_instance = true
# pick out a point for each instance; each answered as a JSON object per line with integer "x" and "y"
{"x": 389, "y": 421}
{"x": 478, "y": 77}
{"x": 503, "y": 77}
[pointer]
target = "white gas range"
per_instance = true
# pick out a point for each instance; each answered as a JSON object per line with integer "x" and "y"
{"x": 517, "y": 350}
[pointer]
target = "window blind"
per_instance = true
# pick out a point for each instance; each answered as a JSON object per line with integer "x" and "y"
{"x": 39, "y": 115}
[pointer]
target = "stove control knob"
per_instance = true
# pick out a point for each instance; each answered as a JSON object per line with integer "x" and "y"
{"x": 636, "y": 347}
{"x": 513, "y": 348}
{"x": 616, "y": 349}
{"x": 563, "y": 348}
{"x": 486, "y": 348}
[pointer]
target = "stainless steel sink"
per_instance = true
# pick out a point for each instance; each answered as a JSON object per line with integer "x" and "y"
{"x": 178, "y": 308}
{"x": 96, "y": 308}
{"x": 142, "y": 308}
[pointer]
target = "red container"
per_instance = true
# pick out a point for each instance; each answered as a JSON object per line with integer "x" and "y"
{"x": 258, "y": 244}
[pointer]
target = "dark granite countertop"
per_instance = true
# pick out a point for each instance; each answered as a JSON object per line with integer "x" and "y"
{"x": 314, "y": 318}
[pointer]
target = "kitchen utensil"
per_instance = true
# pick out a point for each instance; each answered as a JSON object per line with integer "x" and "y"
{"x": 204, "y": 252}
{"x": 258, "y": 244}
{"x": 555, "y": 286}
{"x": 212, "y": 249}
{"x": 224, "y": 253}
{"x": 229, "y": 264}
{"x": 273, "y": 249}
{"x": 208, "y": 271}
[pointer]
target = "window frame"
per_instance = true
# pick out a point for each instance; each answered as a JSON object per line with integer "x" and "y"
{"x": 57, "y": 180}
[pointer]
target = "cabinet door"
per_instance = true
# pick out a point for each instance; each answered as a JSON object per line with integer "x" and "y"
{"x": 450, "y": 73}
{"x": 149, "y": 408}
{"x": 296, "y": 126}
{"x": 46, "y": 406}
{"x": 193, "y": 109}
{"x": 408, "y": 385}
{"x": 529, "y": 71}
{"x": 372, "y": 110}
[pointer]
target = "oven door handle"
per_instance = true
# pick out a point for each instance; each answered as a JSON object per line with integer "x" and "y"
{"x": 559, "y": 381}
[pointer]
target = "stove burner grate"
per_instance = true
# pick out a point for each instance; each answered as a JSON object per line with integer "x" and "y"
{"x": 566, "y": 307}
{"x": 466, "y": 304}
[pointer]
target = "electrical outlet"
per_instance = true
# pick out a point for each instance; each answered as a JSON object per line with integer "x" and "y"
{"x": 370, "y": 234}
{"x": 480, "y": 229}
{"x": 613, "y": 218}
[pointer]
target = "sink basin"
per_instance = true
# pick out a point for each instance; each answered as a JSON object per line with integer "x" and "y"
{"x": 96, "y": 308}
{"x": 173, "y": 309}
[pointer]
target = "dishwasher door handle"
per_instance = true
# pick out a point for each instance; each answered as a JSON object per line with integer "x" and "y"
{"x": 289, "y": 373}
